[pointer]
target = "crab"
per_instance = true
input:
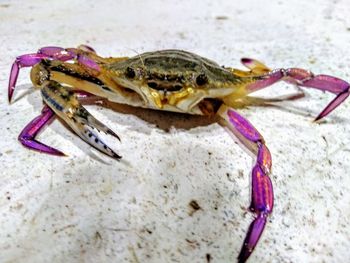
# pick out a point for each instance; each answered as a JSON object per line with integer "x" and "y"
{"x": 169, "y": 80}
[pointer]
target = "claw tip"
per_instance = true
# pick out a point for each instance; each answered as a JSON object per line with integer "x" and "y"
{"x": 10, "y": 93}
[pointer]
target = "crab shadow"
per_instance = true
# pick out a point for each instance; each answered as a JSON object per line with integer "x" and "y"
{"x": 162, "y": 119}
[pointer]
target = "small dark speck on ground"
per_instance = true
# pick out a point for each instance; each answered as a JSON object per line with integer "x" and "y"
{"x": 221, "y": 17}
{"x": 208, "y": 257}
{"x": 194, "y": 207}
{"x": 98, "y": 235}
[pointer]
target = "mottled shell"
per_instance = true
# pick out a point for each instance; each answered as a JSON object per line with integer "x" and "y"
{"x": 172, "y": 70}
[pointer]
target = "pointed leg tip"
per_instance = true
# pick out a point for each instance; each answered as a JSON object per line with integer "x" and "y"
{"x": 317, "y": 119}
{"x": 243, "y": 256}
{"x": 10, "y": 93}
{"x": 59, "y": 153}
{"x": 246, "y": 60}
{"x": 35, "y": 145}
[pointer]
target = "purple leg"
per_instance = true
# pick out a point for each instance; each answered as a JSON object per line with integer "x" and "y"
{"x": 307, "y": 79}
{"x": 27, "y": 60}
{"x": 262, "y": 191}
{"x": 53, "y": 53}
{"x": 27, "y": 136}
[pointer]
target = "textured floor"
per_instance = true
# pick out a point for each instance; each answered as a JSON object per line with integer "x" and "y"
{"x": 88, "y": 208}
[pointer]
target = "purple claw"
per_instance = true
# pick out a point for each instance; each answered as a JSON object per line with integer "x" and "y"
{"x": 255, "y": 230}
{"x": 27, "y": 136}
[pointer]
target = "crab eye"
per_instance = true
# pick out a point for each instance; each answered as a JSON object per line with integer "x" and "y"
{"x": 201, "y": 79}
{"x": 152, "y": 84}
{"x": 130, "y": 73}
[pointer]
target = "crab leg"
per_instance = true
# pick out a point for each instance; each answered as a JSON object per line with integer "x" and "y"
{"x": 27, "y": 136}
{"x": 27, "y": 60}
{"x": 262, "y": 191}
{"x": 302, "y": 78}
{"x": 65, "y": 104}
{"x": 57, "y": 53}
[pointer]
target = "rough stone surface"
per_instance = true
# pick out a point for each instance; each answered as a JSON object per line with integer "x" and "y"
{"x": 88, "y": 208}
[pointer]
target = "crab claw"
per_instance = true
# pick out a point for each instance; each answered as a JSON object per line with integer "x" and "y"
{"x": 88, "y": 134}
{"x": 66, "y": 105}
{"x": 27, "y": 136}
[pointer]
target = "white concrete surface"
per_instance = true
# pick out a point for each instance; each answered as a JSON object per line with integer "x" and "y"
{"x": 88, "y": 208}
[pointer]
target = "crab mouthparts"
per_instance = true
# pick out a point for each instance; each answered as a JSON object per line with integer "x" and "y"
{"x": 164, "y": 86}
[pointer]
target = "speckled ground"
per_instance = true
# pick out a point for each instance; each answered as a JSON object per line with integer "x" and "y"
{"x": 88, "y": 208}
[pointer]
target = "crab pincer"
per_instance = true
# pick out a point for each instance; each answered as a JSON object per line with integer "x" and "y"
{"x": 65, "y": 104}
{"x": 60, "y": 101}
